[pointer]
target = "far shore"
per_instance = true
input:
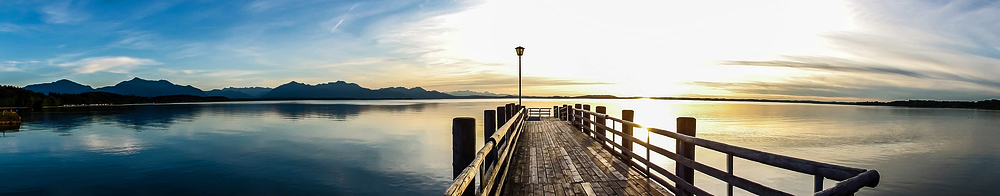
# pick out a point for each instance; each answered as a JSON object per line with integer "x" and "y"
{"x": 992, "y": 104}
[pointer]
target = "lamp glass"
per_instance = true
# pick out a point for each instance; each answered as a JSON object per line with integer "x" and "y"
{"x": 520, "y": 50}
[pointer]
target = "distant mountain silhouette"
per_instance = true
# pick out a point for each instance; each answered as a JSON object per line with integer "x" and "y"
{"x": 344, "y": 90}
{"x": 149, "y": 88}
{"x": 232, "y": 94}
{"x": 292, "y": 90}
{"x": 474, "y": 93}
{"x": 415, "y": 92}
{"x": 252, "y": 91}
{"x": 63, "y": 86}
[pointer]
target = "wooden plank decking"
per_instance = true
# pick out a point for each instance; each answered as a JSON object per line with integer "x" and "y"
{"x": 556, "y": 159}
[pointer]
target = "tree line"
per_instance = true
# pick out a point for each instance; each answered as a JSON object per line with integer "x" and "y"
{"x": 12, "y": 96}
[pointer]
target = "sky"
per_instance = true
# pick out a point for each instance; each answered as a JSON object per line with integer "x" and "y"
{"x": 819, "y": 49}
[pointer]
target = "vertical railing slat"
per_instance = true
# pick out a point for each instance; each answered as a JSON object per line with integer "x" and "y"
{"x": 729, "y": 168}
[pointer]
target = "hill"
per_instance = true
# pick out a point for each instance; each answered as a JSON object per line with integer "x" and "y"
{"x": 149, "y": 88}
{"x": 252, "y": 91}
{"x": 345, "y": 90}
{"x": 232, "y": 94}
{"x": 476, "y": 94}
{"x": 63, "y": 86}
{"x": 415, "y": 92}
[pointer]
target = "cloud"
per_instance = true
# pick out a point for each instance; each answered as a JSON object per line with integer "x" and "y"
{"x": 895, "y": 50}
{"x": 63, "y": 13}
{"x": 136, "y": 40}
{"x": 119, "y": 64}
{"x": 813, "y": 90}
{"x": 337, "y": 25}
{"x": 10, "y": 28}
{"x": 841, "y": 65}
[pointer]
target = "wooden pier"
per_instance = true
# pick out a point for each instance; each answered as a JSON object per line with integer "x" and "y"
{"x": 571, "y": 150}
{"x": 557, "y": 159}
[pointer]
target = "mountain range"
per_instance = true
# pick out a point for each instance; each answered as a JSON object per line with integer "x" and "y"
{"x": 345, "y": 90}
{"x": 478, "y": 94}
{"x": 292, "y": 90}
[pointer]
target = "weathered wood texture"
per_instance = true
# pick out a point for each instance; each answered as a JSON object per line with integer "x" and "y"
{"x": 553, "y": 159}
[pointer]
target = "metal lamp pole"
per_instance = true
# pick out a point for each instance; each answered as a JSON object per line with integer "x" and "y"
{"x": 520, "y": 51}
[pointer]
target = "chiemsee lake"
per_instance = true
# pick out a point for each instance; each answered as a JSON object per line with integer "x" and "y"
{"x": 403, "y": 147}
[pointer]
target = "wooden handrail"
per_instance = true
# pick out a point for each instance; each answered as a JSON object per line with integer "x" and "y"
{"x": 852, "y": 179}
{"x": 502, "y": 142}
{"x": 745, "y": 184}
{"x": 830, "y": 171}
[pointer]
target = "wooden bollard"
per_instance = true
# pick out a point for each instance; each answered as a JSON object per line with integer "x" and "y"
{"x": 489, "y": 127}
{"x": 686, "y": 126}
{"x": 500, "y": 116}
{"x": 562, "y": 112}
{"x": 510, "y": 110}
{"x": 587, "y": 117}
{"x": 628, "y": 115}
{"x": 600, "y": 120}
{"x": 554, "y": 112}
{"x": 463, "y": 147}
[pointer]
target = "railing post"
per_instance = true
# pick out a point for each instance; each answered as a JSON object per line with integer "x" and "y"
{"x": 554, "y": 112}
{"x": 628, "y": 115}
{"x": 586, "y": 116}
{"x": 489, "y": 127}
{"x": 510, "y": 110}
{"x": 501, "y": 114}
{"x": 686, "y": 126}
{"x": 463, "y": 147}
{"x": 565, "y": 112}
{"x": 600, "y": 120}
{"x": 576, "y": 116}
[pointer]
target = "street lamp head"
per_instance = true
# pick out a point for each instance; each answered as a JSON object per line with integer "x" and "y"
{"x": 520, "y": 50}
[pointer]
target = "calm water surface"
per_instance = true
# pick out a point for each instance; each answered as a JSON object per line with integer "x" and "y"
{"x": 402, "y": 147}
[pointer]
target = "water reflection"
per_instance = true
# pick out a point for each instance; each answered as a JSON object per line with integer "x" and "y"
{"x": 242, "y": 148}
{"x": 9, "y": 128}
{"x": 150, "y": 117}
{"x": 402, "y": 147}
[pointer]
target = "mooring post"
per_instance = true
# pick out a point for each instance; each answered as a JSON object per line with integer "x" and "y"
{"x": 510, "y": 111}
{"x": 600, "y": 120}
{"x": 489, "y": 127}
{"x": 628, "y": 115}
{"x": 686, "y": 126}
{"x": 463, "y": 147}
{"x": 576, "y": 116}
{"x": 587, "y": 117}
{"x": 564, "y": 112}
{"x": 500, "y": 116}
{"x": 554, "y": 112}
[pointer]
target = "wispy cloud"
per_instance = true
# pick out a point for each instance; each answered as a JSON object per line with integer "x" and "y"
{"x": 136, "y": 40}
{"x": 119, "y": 64}
{"x": 10, "y": 28}
{"x": 337, "y": 25}
{"x": 840, "y": 65}
{"x": 63, "y": 12}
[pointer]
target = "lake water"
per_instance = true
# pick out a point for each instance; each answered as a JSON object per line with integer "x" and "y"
{"x": 403, "y": 147}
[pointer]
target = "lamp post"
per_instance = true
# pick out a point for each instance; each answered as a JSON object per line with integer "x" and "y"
{"x": 520, "y": 51}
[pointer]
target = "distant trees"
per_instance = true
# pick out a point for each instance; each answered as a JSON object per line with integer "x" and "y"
{"x": 12, "y": 96}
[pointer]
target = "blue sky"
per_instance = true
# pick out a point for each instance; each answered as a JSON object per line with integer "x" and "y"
{"x": 823, "y": 49}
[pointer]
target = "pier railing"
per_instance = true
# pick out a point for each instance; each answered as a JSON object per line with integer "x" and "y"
{"x": 681, "y": 182}
{"x": 537, "y": 113}
{"x": 491, "y": 163}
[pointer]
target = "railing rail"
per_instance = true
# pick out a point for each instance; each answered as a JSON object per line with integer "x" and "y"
{"x": 500, "y": 147}
{"x": 539, "y": 112}
{"x": 594, "y": 123}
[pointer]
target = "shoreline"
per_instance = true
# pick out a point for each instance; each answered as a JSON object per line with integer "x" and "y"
{"x": 907, "y": 103}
